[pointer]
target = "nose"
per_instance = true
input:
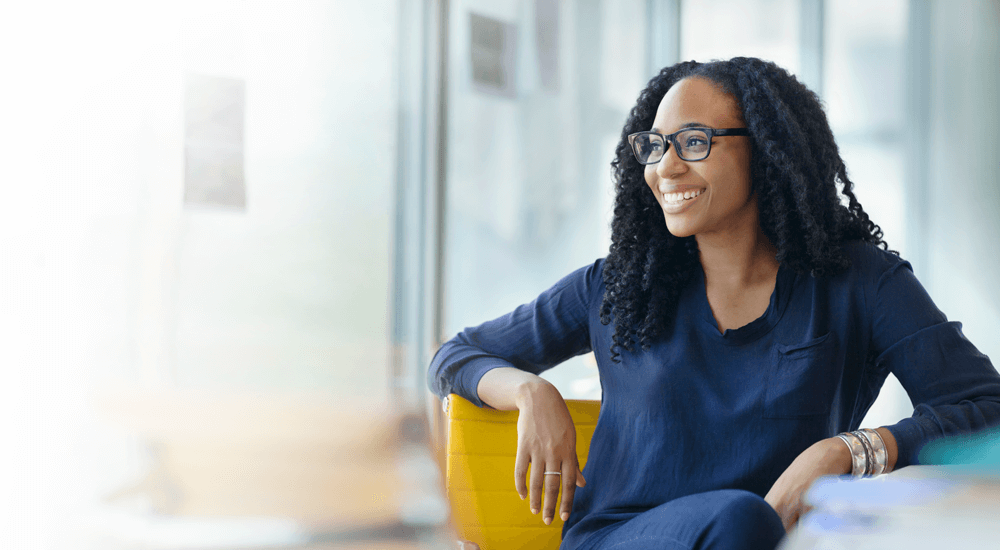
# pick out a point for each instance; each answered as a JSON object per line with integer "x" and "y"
{"x": 671, "y": 165}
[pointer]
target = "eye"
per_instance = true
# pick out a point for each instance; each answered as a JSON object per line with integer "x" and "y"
{"x": 694, "y": 141}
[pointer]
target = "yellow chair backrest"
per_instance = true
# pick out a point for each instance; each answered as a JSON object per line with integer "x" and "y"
{"x": 482, "y": 444}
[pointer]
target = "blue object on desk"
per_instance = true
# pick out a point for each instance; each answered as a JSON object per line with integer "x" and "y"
{"x": 980, "y": 449}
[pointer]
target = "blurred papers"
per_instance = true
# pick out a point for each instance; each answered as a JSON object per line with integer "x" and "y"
{"x": 916, "y": 507}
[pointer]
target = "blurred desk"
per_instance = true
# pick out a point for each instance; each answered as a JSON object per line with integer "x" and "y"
{"x": 248, "y": 470}
{"x": 916, "y": 507}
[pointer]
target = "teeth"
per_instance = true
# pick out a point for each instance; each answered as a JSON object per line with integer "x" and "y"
{"x": 678, "y": 197}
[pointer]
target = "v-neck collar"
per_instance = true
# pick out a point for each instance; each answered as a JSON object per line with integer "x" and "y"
{"x": 784, "y": 281}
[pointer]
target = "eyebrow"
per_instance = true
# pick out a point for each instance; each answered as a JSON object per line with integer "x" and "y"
{"x": 686, "y": 125}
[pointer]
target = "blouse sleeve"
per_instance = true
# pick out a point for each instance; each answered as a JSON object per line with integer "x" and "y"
{"x": 534, "y": 337}
{"x": 954, "y": 388}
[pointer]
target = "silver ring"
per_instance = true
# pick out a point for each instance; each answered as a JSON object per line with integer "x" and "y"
{"x": 553, "y": 473}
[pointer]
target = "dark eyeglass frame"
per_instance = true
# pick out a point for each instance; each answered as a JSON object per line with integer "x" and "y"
{"x": 672, "y": 139}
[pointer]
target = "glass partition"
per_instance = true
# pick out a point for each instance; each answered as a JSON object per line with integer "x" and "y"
{"x": 864, "y": 91}
{"x": 538, "y": 93}
{"x": 720, "y": 29}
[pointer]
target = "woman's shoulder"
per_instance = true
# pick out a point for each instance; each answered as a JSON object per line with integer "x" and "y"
{"x": 585, "y": 281}
{"x": 869, "y": 257}
{"x": 595, "y": 273}
{"x": 870, "y": 262}
{"x": 590, "y": 273}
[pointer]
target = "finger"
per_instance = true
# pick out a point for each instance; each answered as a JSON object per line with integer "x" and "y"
{"x": 535, "y": 485}
{"x": 788, "y": 518}
{"x": 797, "y": 517}
{"x": 791, "y": 522}
{"x": 552, "y": 482}
{"x": 580, "y": 482}
{"x": 520, "y": 473}
{"x": 568, "y": 490}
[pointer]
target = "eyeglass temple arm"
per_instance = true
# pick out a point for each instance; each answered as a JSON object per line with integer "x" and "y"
{"x": 731, "y": 132}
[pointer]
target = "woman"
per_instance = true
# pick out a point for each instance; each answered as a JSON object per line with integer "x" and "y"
{"x": 743, "y": 323}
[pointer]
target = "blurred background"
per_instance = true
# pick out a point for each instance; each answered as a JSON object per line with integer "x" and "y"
{"x": 233, "y": 234}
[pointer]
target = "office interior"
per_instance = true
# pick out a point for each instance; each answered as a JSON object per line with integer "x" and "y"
{"x": 235, "y": 232}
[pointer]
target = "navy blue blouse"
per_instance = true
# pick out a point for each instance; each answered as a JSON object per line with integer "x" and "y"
{"x": 703, "y": 410}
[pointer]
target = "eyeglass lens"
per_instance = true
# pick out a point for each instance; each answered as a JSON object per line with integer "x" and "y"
{"x": 649, "y": 148}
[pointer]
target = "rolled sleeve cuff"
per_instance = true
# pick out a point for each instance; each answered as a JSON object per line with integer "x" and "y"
{"x": 468, "y": 378}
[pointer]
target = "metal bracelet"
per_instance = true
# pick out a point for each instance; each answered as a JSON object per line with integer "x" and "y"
{"x": 881, "y": 443}
{"x": 869, "y": 452}
{"x": 880, "y": 452}
{"x": 859, "y": 460}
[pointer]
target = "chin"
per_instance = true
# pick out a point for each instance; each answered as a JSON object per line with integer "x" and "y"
{"x": 680, "y": 230}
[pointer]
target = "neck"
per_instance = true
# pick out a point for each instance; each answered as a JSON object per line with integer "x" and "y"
{"x": 737, "y": 259}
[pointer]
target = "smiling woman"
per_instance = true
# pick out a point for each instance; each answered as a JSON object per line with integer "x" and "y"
{"x": 743, "y": 322}
{"x": 712, "y": 198}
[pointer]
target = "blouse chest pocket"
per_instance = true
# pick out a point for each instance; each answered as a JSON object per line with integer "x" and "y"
{"x": 803, "y": 379}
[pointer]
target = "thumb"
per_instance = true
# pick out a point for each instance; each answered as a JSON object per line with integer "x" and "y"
{"x": 580, "y": 481}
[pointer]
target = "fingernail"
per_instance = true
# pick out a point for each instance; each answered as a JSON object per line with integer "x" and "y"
{"x": 548, "y": 521}
{"x": 534, "y": 510}
{"x": 565, "y": 516}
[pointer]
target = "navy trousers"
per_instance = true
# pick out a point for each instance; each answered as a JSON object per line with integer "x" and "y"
{"x": 730, "y": 519}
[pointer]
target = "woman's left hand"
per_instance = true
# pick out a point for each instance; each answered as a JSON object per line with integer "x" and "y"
{"x": 825, "y": 457}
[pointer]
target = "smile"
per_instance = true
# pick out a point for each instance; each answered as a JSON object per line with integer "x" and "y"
{"x": 675, "y": 203}
{"x": 676, "y": 198}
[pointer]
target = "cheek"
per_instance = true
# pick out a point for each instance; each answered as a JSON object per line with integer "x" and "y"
{"x": 742, "y": 184}
{"x": 733, "y": 183}
{"x": 744, "y": 179}
{"x": 650, "y": 175}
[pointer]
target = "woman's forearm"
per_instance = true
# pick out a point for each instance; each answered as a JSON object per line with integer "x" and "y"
{"x": 509, "y": 389}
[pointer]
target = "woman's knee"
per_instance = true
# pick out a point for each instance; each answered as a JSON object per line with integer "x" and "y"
{"x": 744, "y": 520}
{"x": 741, "y": 506}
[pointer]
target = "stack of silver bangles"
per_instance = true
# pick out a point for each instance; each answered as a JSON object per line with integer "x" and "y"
{"x": 868, "y": 453}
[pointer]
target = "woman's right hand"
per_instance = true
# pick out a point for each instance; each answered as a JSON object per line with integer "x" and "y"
{"x": 546, "y": 440}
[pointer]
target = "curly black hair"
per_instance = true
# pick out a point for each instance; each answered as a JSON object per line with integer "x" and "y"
{"x": 795, "y": 167}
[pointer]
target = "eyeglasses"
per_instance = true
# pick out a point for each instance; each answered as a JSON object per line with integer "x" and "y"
{"x": 691, "y": 144}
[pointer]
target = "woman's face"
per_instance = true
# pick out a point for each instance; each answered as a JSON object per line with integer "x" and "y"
{"x": 725, "y": 203}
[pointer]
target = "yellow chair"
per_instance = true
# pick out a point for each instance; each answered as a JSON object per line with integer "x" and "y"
{"x": 481, "y": 448}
